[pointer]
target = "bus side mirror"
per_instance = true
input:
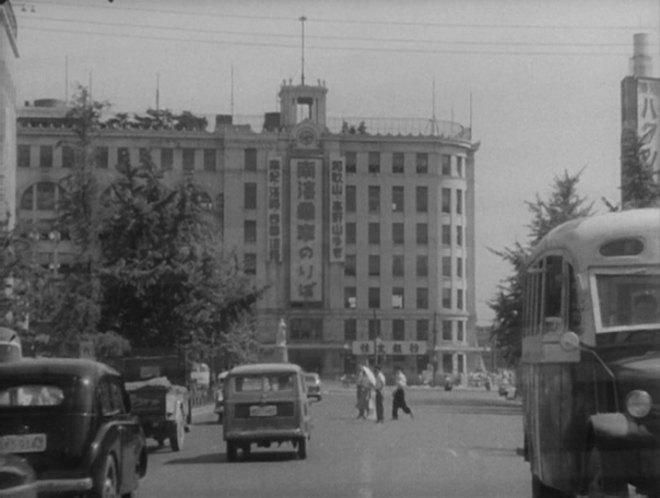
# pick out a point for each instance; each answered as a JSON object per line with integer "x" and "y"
{"x": 569, "y": 341}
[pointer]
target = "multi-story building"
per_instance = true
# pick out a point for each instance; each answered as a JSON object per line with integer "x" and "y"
{"x": 363, "y": 237}
{"x": 8, "y": 55}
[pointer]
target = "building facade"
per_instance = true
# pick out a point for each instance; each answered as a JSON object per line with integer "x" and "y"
{"x": 361, "y": 232}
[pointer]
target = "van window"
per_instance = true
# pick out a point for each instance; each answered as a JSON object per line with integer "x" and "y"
{"x": 264, "y": 383}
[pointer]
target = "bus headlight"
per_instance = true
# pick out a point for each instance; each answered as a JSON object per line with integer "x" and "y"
{"x": 638, "y": 403}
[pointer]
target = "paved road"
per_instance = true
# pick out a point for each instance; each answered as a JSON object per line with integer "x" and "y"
{"x": 460, "y": 444}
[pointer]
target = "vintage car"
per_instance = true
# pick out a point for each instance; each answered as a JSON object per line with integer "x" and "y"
{"x": 313, "y": 381}
{"x": 17, "y": 478}
{"x": 266, "y": 403}
{"x": 71, "y": 420}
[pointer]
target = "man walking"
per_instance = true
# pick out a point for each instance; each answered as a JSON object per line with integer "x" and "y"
{"x": 380, "y": 385}
{"x": 399, "y": 396}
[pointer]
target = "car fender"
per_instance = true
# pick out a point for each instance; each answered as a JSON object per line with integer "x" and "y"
{"x": 615, "y": 428}
{"x": 105, "y": 443}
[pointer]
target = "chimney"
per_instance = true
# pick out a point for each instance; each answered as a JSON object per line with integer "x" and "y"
{"x": 640, "y": 62}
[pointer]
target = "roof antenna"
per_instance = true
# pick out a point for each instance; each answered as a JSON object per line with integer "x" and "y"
{"x": 157, "y": 91}
{"x": 302, "y": 20}
{"x": 434, "y": 122}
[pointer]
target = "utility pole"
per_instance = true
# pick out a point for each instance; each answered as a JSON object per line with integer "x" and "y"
{"x": 302, "y": 20}
{"x": 434, "y": 362}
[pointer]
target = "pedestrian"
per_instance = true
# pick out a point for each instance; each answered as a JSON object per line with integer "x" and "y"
{"x": 363, "y": 394}
{"x": 380, "y": 385}
{"x": 399, "y": 396}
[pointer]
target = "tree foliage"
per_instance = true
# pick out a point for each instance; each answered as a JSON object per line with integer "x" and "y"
{"x": 563, "y": 204}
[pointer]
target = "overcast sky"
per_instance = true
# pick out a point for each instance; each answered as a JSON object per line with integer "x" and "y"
{"x": 544, "y": 76}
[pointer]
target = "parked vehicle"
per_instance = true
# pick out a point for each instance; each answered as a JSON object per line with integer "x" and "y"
{"x": 591, "y": 357}
{"x": 17, "y": 479}
{"x": 219, "y": 396}
{"x": 266, "y": 403}
{"x": 313, "y": 381}
{"x": 71, "y": 420}
{"x": 156, "y": 384}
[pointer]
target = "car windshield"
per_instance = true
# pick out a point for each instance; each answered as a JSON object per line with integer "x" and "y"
{"x": 310, "y": 378}
{"x": 264, "y": 383}
{"x": 31, "y": 395}
{"x": 628, "y": 301}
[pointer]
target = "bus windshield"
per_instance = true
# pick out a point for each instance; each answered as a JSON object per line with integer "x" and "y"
{"x": 627, "y": 301}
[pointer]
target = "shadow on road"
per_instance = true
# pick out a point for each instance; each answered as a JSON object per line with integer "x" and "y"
{"x": 473, "y": 406}
{"x": 216, "y": 458}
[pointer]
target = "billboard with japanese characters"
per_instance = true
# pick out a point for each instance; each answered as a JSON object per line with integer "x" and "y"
{"x": 274, "y": 209}
{"x": 306, "y": 224}
{"x": 389, "y": 347}
{"x": 648, "y": 100}
{"x": 337, "y": 199}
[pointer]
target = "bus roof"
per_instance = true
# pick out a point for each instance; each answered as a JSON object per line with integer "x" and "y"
{"x": 265, "y": 368}
{"x": 583, "y": 237}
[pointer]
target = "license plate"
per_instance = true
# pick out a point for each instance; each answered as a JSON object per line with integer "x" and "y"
{"x": 25, "y": 443}
{"x": 263, "y": 411}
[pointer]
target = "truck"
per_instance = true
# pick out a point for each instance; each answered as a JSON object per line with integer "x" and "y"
{"x": 157, "y": 385}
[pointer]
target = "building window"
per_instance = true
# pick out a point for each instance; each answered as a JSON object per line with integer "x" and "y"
{"x": 209, "y": 159}
{"x": 446, "y": 266}
{"x": 446, "y": 164}
{"x": 422, "y": 330}
{"x": 167, "y": 159}
{"x": 188, "y": 159}
{"x": 446, "y": 331}
{"x": 374, "y": 297}
{"x": 459, "y": 267}
{"x": 374, "y": 162}
{"x": 459, "y": 235}
{"x": 397, "y": 265}
{"x": 45, "y": 156}
{"x": 422, "y": 234}
{"x": 350, "y": 265}
{"x": 459, "y": 166}
{"x": 23, "y": 156}
{"x": 68, "y": 156}
{"x": 447, "y": 363}
{"x": 397, "y": 298}
{"x": 374, "y": 265}
{"x": 398, "y": 330}
{"x": 422, "y": 298}
{"x": 351, "y": 162}
{"x": 446, "y": 235}
{"x": 250, "y": 263}
{"x": 459, "y": 201}
{"x": 422, "y": 163}
{"x": 446, "y": 298}
{"x": 374, "y": 233}
{"x": 422, "y": 265}
{"x": 350, "y": 297}
{"x": 446, "y": 200}
{"x": 350, "y": 198}
{"x": 459, "y": 299}
{"x": 350, "y": 330}
{"x": 397, "y": 199}
{"x": 123, "y": 157}
{"x": 374, "y": 329}
{"x": 374, "y": 199}
{"x": 422, "y": 199}
{"x": 350, "y": 232}
{"x": 46, "y": 196}
{"x": 250, "y": 231}
{"x": 102, "y": 157}
{"x": 460, "y": 331}
{"x": 306, "y": 329}
{"x": 250, "y": 159}
{"x": 250, "y": 196}
{"x": 397, "y": 233}
{"x": 397, "y": 162}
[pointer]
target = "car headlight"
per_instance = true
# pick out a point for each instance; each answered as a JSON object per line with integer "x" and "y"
{"x": 638, "y": 403}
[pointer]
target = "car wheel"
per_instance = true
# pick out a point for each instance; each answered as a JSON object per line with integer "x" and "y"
{"x": 302, "y": 448}
{"x": 177, "y": 435}
{"x": 231, "y": 451}
{"x": 107, "y": 483}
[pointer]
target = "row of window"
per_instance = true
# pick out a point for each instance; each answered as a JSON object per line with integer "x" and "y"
{"x": 397, "y": 299}
{"x": 398, "y": 266}
{"x": 186, "y": 158}
{"x": 422, "y": 331}
{"x": 450, "y": 165}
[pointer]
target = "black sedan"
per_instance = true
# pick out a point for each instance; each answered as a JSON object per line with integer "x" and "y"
{"x": 71, "y": 421}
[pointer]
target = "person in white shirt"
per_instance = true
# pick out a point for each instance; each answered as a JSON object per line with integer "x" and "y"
{"x": 399, "y": 396}
{"x": 380, "y": 385}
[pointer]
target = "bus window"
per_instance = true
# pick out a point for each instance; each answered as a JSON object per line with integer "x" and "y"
{"x": 553, "y": 286}
{"x": 628, "y": 299}
{"x": 574, "y": 312}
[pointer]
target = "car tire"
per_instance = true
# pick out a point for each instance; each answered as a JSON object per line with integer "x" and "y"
{"x": 177, "y": 434}
{"x": 107, "y": 482}
{"x": 302, "y": 448}
{"x": 231, "y": 451}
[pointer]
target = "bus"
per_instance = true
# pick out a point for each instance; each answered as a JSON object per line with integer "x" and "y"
{"x": 590, "y": 365}
{"x": 10, "y": 345}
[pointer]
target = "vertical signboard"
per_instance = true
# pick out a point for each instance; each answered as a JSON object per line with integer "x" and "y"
{"x": 274, "y": 204}
{"x": 648, "y": 100}
{"x": 337, "y": 199}
{"x": 306, "y": 218}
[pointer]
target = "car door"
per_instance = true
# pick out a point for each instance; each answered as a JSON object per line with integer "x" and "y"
{"x": 129, "y": 437}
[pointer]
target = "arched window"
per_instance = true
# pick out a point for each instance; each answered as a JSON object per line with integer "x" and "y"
{"x": 42, "y": 196}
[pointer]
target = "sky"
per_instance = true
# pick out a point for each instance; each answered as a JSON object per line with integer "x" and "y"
{"x": 538, "y": 81}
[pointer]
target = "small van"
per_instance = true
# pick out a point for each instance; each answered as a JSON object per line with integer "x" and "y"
{"x": 265, "y": 403}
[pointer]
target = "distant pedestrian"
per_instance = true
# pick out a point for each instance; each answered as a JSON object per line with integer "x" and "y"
{"x": 363, "y": 394}
{"x": 399, "y": 396}
{"x": 380, "y": 385}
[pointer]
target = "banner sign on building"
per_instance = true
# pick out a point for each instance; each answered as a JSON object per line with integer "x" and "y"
{"x": 648, "y": 108}
{"x": 274, "y": 209}
{"x": 396, "y": 348}
{"x": 306, "y": 219}
{"x": 337, "y": 200}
